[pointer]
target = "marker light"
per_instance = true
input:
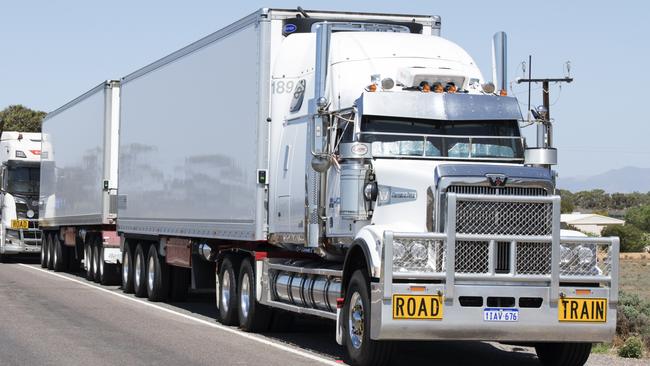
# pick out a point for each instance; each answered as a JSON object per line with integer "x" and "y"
{"x": 503, "y": 93}
{"x": 488, "y": 88}
{"x": 438, "y": 88}
{"x": 372, "y": 87}
{"x": 451, "y": 88}
{"x": 424, "y": 86}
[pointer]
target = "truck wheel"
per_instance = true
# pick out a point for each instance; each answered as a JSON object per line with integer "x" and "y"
{"x": 50, "y": 252}
{"x": 73, "y": 260}
{"x": 563, "y": 354}
{"x": 139, "y": 272}
{"x": 228, "y": 313}
{"x": 157, "y": 276}
{"x": 179, "y": 284}
{"x": 108, "y": 272}
{"x": 356, "y": 319}
{"x": 60, "y": 260}
{"x": 88, "y": 258}
{"x": 253, "y": 316}
{"x": 44, "y": 250}
{"x": 98, "y": 259}
{"x": 127, "y": 268}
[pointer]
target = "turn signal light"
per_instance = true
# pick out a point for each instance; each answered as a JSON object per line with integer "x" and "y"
{"x": 424, "y": 86}
{"x": 438, "y": 88}
{"x": 372, "y": 87}
{"x": 451, "y": 88}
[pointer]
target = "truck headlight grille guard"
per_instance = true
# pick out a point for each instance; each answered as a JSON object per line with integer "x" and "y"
{"x": 539, "y": 256}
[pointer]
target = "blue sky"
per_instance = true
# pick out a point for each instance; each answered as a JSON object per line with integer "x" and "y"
{"x": 52, "y": 51}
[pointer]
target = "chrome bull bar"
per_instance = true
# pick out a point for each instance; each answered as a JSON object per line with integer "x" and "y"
{"x": 605, "y": 258}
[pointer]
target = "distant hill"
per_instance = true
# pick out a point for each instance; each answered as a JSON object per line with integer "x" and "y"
{"x": 623, "y": 180}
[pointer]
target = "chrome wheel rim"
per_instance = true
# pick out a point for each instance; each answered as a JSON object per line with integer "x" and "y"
{"x": 138, "y": 264}
{"x": 125, "y": 268}
{"x": 150, "y": 273}
{"x": 245, "y": 292}
{"x": 87, "y": 258}
{"x": 356, "y": 318}
{"x": 225, "y": 292}
{"x": 43, "y": 253}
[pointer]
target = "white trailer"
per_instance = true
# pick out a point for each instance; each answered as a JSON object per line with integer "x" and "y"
{"x": 79, "y": 184}
{"x": 20, "y": 155}
{"x": 359, "y": 168}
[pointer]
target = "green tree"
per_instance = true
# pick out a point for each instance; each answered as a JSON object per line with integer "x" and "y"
{"x": 567, "y": 204}
{"x": 594, "y": 199}
{"x": 632, "y": 238}
{"x": 639, "y": 216}
{"x": 20, "y": 118}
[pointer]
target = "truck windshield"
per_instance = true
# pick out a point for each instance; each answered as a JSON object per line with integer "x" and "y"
{"x": 397, "y": 137}
{"x": 21, "y": 179}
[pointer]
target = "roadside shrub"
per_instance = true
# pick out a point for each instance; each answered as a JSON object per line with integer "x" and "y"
{"x": 632, "y": 348}
{"x": 633, "y": 316}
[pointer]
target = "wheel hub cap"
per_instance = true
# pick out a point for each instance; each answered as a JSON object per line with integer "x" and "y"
{"x": 356, "y": 318}
{"x": 150, "y": 274}
{"x": 245, "y": 295}
{"x": 225, "y": 292}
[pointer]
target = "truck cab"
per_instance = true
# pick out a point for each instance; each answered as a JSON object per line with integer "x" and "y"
{"x": 20, "y": 172}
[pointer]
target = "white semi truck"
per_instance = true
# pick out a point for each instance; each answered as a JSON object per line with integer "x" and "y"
{"x": 351, "y": 166}
{"x": 20, "y": 155}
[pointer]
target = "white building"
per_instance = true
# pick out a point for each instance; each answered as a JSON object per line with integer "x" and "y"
{"x": 589, "y": 223}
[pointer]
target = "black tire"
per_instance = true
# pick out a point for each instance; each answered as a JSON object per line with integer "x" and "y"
{"x": 127, "y": 268}
{"x": 60, "y": 260}
{"x": 88, "y": 258}
{"x": 362, "y": 350}
{"x": 228, "y": 296}
{"x": 253, "y": 316}
{"x": 50, "y": 252}
{"x": 139, "y": 272}
{"x": 563, "y": 354}
{"x": 97, "y": 258}
{"x": 179, "y": 283}
{"x": 108, "y": 273}
{"x": 44, "y": 250}
{"x": 157, "y": 276}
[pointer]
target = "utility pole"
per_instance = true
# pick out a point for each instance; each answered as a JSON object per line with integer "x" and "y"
{"x": 544, "y": 129}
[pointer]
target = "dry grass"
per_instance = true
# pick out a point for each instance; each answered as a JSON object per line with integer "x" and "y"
{"x": 635, "y": 274}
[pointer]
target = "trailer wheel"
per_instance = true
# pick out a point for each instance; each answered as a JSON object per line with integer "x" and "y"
{"x": 127, "y": 268}
{"x": 140, "y": 272}
{"x": 157, "y": 276}
{"x": 50, "y": 252}
{"x": 108, "y": 273}
{"x": 179, "y": 284}
{"x": 60, "y": 260}
{"x": 253, "y": 316}
{"x": 228, "y": 313}
{"x": 563, "y": 354}
{"x": 45, "y": 255}
{"x": 356, "y": 320}
{"x": 89, "y": 264}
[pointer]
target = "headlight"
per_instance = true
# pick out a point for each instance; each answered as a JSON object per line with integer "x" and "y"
{"x": 30, "y": 213}
{"x": 398, "y": 251}
{"x": 419, "y": 252}
{"x": 585, "y": 255}
{"x": 565, "y": 255}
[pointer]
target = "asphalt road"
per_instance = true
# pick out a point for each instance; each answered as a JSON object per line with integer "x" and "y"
{"x": 49, "y": 318}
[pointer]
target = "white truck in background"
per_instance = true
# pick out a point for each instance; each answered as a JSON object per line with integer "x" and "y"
{"x": 79, "y": 185}
{"x": 351, "y": 166}
{"x": 20, "y": 156}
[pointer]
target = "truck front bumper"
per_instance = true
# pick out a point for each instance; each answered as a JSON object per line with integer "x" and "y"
{"x": 466, "y": 322}
{"x": 20, "y": 248}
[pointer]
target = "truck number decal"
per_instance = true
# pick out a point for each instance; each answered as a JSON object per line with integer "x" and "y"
{"x": 282, "y": 87}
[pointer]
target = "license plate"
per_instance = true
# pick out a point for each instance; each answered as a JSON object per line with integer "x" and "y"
{"x": 417, "y": 307}
{"x": 500, "y": 315}
{"x": 19, "y": 224}
{"x": 582, "y": 310}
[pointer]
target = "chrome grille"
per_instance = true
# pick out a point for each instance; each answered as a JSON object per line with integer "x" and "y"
{"x": 472, "y": 257}
{"x": 504, "y": 218}
{"x": 534, "y": 258}
{"x": 501, "y": 191}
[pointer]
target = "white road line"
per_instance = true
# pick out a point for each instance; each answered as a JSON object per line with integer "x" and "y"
{"x": 253, "y": 337}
